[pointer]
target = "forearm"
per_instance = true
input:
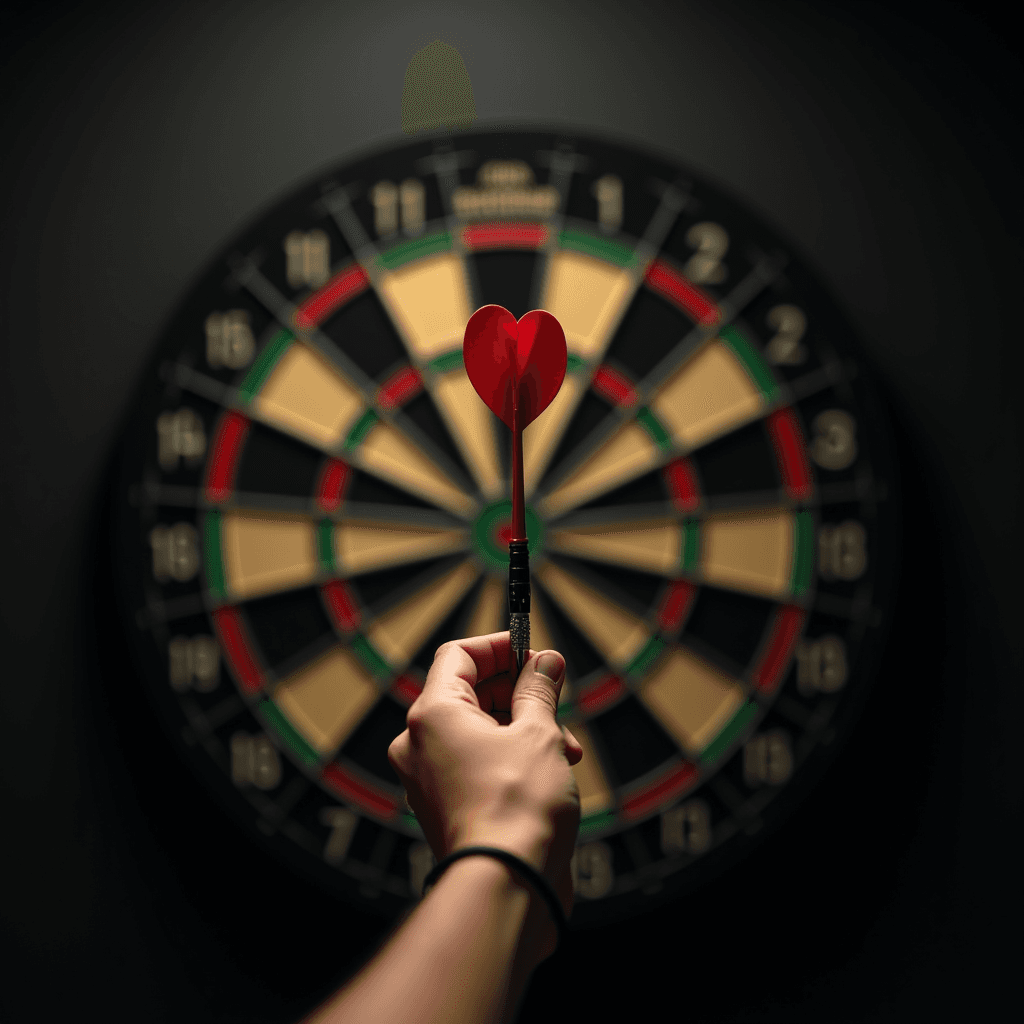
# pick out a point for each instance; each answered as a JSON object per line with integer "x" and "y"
{"x": 454, "y": 960}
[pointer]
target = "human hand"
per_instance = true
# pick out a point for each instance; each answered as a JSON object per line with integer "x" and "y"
{"x": 484, "y": 761}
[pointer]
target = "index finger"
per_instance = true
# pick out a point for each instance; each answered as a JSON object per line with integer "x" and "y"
{"x": 460, "y": 664}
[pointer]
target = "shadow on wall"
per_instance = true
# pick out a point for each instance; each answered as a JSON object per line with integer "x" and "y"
{"x": 437, "y": 90}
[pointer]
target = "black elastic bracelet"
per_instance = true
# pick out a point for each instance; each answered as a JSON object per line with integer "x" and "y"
{"x": 539, "y": 882}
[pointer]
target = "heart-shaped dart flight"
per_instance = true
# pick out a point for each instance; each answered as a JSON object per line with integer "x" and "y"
{"x": 500, "y": 353}
{"x": 517, "y": 369}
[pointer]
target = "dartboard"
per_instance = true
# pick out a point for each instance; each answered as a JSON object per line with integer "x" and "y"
{"x": 312, "y": 499}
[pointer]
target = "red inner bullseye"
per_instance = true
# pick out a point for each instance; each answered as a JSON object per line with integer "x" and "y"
{"x": 504, "y": 532}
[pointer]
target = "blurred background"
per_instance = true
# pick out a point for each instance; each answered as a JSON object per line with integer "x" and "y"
{"x": 883, "y": 143}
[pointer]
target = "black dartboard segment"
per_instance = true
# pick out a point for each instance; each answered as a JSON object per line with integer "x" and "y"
{"x": 313, "y": 498}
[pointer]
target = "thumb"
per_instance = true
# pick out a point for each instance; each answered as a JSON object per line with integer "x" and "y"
{"x": 538, "y": 686}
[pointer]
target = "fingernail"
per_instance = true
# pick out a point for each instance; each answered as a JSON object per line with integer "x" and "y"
{"x": 550, "y": 665}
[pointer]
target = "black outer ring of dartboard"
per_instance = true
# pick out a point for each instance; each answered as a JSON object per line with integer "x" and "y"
{"x": 131, "y": 564}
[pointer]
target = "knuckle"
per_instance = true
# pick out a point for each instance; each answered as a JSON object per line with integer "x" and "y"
{"x": 419, "y": 722}
{"x": 415, "y": 718}
{"x": 396, "y": 750}
{"x": 557, "y": 737}
{"x": 444, "y": 649}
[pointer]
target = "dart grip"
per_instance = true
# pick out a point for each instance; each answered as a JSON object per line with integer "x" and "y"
{"x": 519, "y": 635}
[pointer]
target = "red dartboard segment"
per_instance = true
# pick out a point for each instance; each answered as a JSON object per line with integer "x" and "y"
{"x": 791, "y": 453}
{"x": 353, "y": 789}
{"x": 227, "y": 446}
{"x": 614, "y": 386}
{"x": 504, "y": 236}
{"x": 330, "y": 488}
{"x": 345, "y": 285}
{"x": 407, "y": 688}
{"x": 681, "y": 480}
{"x": 234, "y": 643}
{"x": 342, "y": 605}
{"x": 670, "y": 786}
{"x": 600, "y": 695}
{"x": 701, "y": 308}
{"x": 788, "y": 624}
{"x": 676, "y": 604}
{"x": 406, "y": 383}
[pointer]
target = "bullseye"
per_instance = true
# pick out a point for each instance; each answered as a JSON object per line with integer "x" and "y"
{"x": 493, "y": 530}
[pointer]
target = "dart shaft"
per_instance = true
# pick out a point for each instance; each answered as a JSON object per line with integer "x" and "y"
{"x": 519, "y": 601}
{"x": 518, "y": 551}
{"x": 518, "y": 500}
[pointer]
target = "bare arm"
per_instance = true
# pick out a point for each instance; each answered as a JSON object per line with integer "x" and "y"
{"x": 484, "y": 763}
{"x": 452, "y": 959}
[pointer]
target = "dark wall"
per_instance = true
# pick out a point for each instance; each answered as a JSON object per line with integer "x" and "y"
{"x": 886, "y": 147}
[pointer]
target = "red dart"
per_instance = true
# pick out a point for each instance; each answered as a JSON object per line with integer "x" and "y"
{"x": 517, "y": 369}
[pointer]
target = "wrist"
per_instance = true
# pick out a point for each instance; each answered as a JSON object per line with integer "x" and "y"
{"x": 497, "y": 884}
{"x": 539, "y": 928}
{"x": 529, "y": 842}
{"x": 488, "y": 873}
